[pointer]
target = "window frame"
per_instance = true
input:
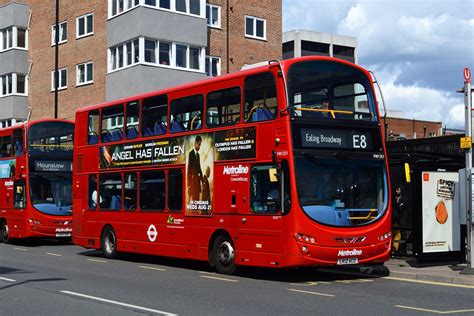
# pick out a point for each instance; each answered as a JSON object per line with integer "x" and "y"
{"x": 209, "y": 8}
{"x": 11, "y": 84}
{"x": 86, "y": 82}
{"x": 53, "y": 34}
{"x": 209, "y": 60}
{"x": 86, "y": 33}
{"x": 254, "y": 28}
{"x": 60, "y": 76}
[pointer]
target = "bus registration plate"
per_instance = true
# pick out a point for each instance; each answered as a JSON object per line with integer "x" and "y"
{"x": 347, "y": 261}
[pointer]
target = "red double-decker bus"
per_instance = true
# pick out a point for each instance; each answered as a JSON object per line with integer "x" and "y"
{"x": 36, "y": 180}
{"x": 275, "y": 166}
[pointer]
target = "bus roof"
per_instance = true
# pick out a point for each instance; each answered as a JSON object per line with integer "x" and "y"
{"x": 27, "y": 124}
{"x": 285, "y": 64}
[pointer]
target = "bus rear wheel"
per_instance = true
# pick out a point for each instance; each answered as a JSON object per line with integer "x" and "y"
{"x": 109, "y": 243}
{"x": 4, "y": 232}
{"x": 223, "y": 255}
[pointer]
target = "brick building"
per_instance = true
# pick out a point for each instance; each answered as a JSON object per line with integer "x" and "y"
{"x": 401, "y": 128}
{"x": 116, "y": 48}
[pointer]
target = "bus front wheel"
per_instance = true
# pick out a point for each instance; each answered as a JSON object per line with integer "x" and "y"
{"x": 109, "y": 243}
{"x": 223, "y": 255}
{"x": 4, "y": 232}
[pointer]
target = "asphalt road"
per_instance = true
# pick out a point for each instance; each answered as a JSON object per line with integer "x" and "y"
{"x": 46, "y": 278}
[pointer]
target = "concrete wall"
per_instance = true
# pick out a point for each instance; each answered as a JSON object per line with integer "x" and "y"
{"x": 13, "y": 14}
{"x": 14, "y": 60}
{"x": 14, "y": 107}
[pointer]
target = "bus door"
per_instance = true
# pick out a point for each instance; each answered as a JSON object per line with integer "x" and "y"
{"x": 260, "y": 225}
{"x": 16, "y": 221}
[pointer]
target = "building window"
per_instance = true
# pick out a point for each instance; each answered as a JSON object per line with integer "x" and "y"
{"x": 13, "y": 37}
{"x": 150, "y": 48}
{"x": 213, "y": 15}
{"x": 60, "y": 81}
{"x": 309, "y": 48}
{"x": 62, "y": 33}
{"x": 181, "y": 54}
{"x": 213, "y": 66}
{"x": 13, "y": 84}
{"x": 84, "y": 73}
{"x": 288, "y": 50}
{"x": 124, "y": 55}
{"x": 192, "y": 7}
{"x": 118, "y": 6}
{"x": 165, "y": 53}
{"x": 85, "y": 25}
{"x": 255, "y": 27}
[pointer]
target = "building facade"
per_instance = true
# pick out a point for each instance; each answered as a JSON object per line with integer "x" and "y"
{"x": 117, "y": 48}
{"x": 297, "y": 43}
{"x": 400, "y": 128}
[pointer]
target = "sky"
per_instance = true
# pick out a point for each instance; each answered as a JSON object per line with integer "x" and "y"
{"x": 416, "y": 48}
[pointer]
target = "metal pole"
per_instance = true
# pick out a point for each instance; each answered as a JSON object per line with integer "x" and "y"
{"x": 56, "y": 61}
{"x": 469, "y": 231}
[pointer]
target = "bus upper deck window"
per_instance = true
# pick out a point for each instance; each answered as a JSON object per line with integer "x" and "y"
{"x": 5, "y": 146}
{"x": 186, "y": 113}
{"x": 154, "y": 115}
{"x": 93, "y": 127}
{"x": 112, "y": 124}
{"x": 17, "y": 142}
{"x": 133, "y": 111}
{"x": 260, "y": 98}
{"x": 223, "y": 107}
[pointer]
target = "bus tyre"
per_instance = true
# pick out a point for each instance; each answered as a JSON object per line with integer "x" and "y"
{"x": 4, "y": 232}
{"x": 223, "y": 255}
{"x": 108, "y": 242}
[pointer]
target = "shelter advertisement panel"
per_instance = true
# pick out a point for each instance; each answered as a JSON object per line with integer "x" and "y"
{"x": 152, "y": 152}
{"x": 440, "y": 218}
{"x": 199, "y": 174}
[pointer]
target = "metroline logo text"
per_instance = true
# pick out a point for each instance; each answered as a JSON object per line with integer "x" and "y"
{"x": 235, "y": 170}
{"x": 347, "y": 253}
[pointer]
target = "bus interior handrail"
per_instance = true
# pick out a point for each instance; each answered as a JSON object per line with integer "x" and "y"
{"x": 333, "y": 112}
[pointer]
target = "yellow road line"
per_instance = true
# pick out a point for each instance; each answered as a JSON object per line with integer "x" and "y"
{"x": 434, "y": 311}
{"x": 430, "y": 282}
{"x": 97, "y": 260}
{"x": 219, "y": 279}
{"x": 312, "y": 293}
{"x": 152, "y": 268}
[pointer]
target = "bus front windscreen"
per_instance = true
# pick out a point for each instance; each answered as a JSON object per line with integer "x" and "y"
{"x": 51, "y": 192}
{"x": 341, "y": 191}
{"x": 330, "y": 90}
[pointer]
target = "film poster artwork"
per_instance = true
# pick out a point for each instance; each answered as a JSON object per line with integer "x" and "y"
{"x": 7, "y": 168}
{"x": 440, "y": 198}
{"x": 199, "y": 174}
{"x": 154, "y": 152}
{"x": 235, "y": 144}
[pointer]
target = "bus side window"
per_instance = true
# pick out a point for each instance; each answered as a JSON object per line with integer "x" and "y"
{"x": 93, "y": 127}
{"x": 5, "y": 146}
{"x": 112, "y": 124}
{"x": 152, "y": 181}
{"x": 260, "y": 98}
{"x": 19, "y": 197}
{"x": 186, "y": 113}
{"x": 93, "y": 192}
{"x": 110, "y": 191}
{"x": 154, "y": 115}
{"x": 17, "y": 142}
{"x": 264, "y": 189}
{"x": 133, "y": 111}
{"x": 175, "y": 190}
{"x": 223, "y": 107}
{"x": 130, "y": 192}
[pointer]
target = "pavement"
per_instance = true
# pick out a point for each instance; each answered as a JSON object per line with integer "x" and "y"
{"x": 410, "y": 268}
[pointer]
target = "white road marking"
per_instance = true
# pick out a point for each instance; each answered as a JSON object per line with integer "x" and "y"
{"x": 94, "y": 298}
{"x": 217, "y": 278}
{"x": 53, "y": 254}
{"x": 21, "y": 249}
{"x": 7, "y": 279}
{"x": 434, "y": 311}
{"x": 312, "y": 293}
{"x": 152, "y": 268}
{"x": 430, "y": 282}
{"x": 98, "y": 260}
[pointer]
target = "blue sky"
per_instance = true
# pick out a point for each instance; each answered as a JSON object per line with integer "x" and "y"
{"x": 417, "y": 48}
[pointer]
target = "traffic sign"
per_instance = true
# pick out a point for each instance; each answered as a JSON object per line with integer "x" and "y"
{"x": 467, "y": 75}
{"x": 466, "y": 142}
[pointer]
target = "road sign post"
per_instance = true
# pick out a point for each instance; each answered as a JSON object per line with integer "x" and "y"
{"x": 469, "y": 176}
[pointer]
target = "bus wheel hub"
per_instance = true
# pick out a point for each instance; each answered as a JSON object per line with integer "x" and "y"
{"x": 226, "y": 253}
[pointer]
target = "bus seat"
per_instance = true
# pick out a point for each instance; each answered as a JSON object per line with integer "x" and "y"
{"x": 106, "y": 137}
{"x": 117, "y": 135}
{"x": 262, "y": 114}
{"x": 160, "y": 128}
{"x": 177, "y": 126}
{"x": 148, "y": 132}
{"x": 115, "y": 203}
{"x": 132, "y": 132}
{"x": 92, "y": 139}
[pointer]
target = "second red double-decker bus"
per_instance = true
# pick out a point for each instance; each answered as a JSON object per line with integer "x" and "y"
{"x": 36, "y": 180}
{"x": 280, "y": 165}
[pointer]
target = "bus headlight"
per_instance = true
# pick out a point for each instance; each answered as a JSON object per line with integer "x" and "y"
{"x": 305, "y": 238}
{"x": 385, "y": 236}
{"x": 34, "y": 221}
